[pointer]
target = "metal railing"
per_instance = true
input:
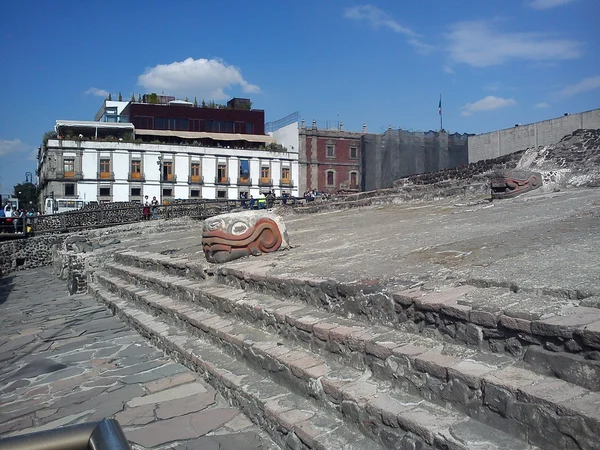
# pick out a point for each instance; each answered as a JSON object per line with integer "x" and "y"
{"x": 104, "y": 435}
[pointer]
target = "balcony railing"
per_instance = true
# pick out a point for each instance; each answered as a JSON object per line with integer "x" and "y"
{"x": 286, "y": 182}
{"x": 245, "y": 181}
{"x": 69, "y": 175}
{"x": 105, "y": 176}
{"x": 136, "y": 176}
{"x": 195, "y": 179}
{"x": 222, "y": 181}
{"x": 168, "y": 178}
{"x": 265, "y": 182}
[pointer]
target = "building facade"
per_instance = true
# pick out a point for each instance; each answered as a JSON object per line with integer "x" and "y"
{"x": 236, "y": 118}
{"x": 109, "y": 162}
{"x": 329, "y": 159}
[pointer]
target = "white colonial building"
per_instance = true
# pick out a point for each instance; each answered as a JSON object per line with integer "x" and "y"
{"x": 92, "y": 161}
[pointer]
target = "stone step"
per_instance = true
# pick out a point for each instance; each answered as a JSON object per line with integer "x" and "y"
{"x": 357, "y": 393}
{"x": 557, "y": 336}
{"x": 464, "y": 378}
{"x": 292, "y": 421}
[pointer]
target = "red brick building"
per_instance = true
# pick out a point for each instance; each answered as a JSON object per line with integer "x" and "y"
{"x": 329, "y": 159}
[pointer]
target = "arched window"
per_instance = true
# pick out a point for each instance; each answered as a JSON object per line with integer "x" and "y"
{"x": 353, "y": 180}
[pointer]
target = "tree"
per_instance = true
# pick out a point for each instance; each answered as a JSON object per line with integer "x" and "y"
{"x": 133, "y": 97}
{"x": 26, "y": 193}
{"x": 186, "y": 99}
{"x": 109, "y": 96}
{"x": 203, "y": 104}
{"x": 152, "y": 98}
{"x": 120, "y": 97}
{"x": 139, "y": 98}
{"x": 195, "y": 102}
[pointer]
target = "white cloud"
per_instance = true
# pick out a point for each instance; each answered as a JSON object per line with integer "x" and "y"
{"x": 97, "y": 92}
{"x": 478, "y": 44}
{"x": 585, "y": 85}
{"x": 547, "y": 4}
{"x": 14, "y": 146}
{"x": 488, "y": 103}
{"x": 376, "y": 18}
{"x": 542, "y": 105}
{"x": 448, "y": 69}
{"x": 204, "y": 78}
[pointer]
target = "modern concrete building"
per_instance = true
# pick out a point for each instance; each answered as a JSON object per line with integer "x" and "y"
{"x": 329, "y": 158}
{"x": 114, "y": 161}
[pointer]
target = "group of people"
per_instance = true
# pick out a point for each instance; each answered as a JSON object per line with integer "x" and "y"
{"x": 150, "y": 208}
{"x": 264, "y": 200}
{"x": 13, "y": 219}
{"x": 312, "y": 195}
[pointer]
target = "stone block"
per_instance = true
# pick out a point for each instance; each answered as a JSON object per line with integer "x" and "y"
{"x": 342, "y": 334}
{"x": 590, "y": 334}
{"x": 470, "y": 371}
{"x": 387, "y": 409}
{"x": 457, "y": 311}
{"x": 567, "y": 366}
{"x": 563, "y": 325}
{"x": 359, "y": 391}
{"x": 448, "y": 297}
{"x": 512, "y": 378}
{"x": 550, "y": 392}
{"x": 484, "y": 318}
{"x": 190, "y": 426}
{"x": 306, "y": 323}
{"x": 514, "y": 323}
{"x": 407, "y": 297}
{"x": 426, "y": 421}
{"x": 321, "y": 330}
{"x": 434, "y": 363}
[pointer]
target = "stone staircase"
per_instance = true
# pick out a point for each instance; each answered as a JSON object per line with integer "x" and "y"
{"x": 318, "y": 375}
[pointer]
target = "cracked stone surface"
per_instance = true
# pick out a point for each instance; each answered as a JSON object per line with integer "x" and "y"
{"x": 66, "y": 360}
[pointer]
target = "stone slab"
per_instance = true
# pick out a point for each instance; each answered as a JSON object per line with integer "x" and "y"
{"x": 75, "y": 379}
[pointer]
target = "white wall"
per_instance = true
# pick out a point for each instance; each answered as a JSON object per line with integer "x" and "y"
{"x": 120, "y": 192}
{"x": 233, "y": 171}
{"x": 89, "y": 164}
{"x": 209, "y": 170}
{"x": 151, "y": 169}
{"x": 87, "y": 192}
{"x": 287, "y": 136}
{"x": 182, "y": 169}
{"x": 255, "y": 170}
{"x": 120, "y": 166}
{"x": 181, "y": 192}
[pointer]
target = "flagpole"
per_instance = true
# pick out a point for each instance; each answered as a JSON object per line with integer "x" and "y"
{"x": 441, "y": 115}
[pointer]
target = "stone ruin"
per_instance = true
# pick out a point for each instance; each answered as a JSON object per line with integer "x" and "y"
{"x": 231, "y": 236}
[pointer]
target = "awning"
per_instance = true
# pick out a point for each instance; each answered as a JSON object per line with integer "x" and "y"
{"x": 93, "y": 124}
{"x": 205, "y": 135}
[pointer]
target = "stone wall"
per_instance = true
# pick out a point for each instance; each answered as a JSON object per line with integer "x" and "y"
{"x": 20, "y": 254}
{"x": 111, "y": 214}
{"x": 510, "y": 140}
{"x": 399, "y": 153}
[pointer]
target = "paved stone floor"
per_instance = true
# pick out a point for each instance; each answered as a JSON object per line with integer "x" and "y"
{"x": 66, "y": 360}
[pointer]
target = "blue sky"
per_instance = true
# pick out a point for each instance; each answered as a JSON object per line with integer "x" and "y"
{"x": 495, "y": 62}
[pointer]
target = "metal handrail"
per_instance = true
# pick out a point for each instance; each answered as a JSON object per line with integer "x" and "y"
{"x": 104, "y": 435}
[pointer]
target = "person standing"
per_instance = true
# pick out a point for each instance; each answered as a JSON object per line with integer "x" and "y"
{"x": 154, "y": 204}
{"x": 146, "y": 208}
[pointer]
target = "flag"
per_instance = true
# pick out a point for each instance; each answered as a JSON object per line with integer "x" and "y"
{"x": 440, "y": 106}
